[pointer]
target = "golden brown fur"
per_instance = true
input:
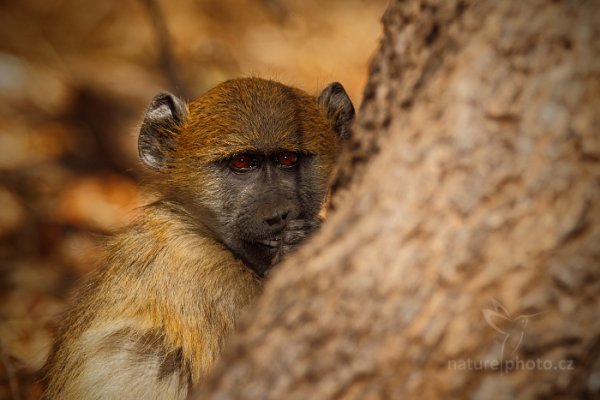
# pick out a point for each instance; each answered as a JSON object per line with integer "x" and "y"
{"x": 152, "y": 321}
{"x": 155, "y": 278}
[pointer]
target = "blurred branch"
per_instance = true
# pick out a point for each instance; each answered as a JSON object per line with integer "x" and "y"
{"x": 278, "y": 9}
{"x": 10, "y": 374}
{"x": 166, "y": 58}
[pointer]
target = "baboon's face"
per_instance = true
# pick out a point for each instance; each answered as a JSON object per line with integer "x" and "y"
{"x": 260, "y": 193}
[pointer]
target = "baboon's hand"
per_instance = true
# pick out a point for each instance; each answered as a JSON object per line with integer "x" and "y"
{"x": 294, "y": 233}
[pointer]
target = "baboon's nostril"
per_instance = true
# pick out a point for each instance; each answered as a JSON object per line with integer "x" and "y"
{"x": 278, "y": 218}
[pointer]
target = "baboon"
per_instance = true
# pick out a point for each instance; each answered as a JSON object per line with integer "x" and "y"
{"x": 242, "y": 173}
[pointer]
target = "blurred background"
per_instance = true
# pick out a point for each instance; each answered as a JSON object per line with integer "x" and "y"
{"x": 75, "y": 78}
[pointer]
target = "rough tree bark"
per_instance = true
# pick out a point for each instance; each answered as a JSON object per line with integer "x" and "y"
{"x": 465, "y": 234}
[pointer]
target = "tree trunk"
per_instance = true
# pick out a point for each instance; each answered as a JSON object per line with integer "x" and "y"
{"x": 461, "y": 259}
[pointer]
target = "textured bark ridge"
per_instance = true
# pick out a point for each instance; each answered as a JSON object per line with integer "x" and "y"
{"x": 463, "y": 255}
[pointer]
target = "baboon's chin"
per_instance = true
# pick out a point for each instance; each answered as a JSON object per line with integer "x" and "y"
{"x": 260, "y": 255}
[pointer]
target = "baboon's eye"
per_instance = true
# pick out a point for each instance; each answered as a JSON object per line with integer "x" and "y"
{"x": 287, "y": 159}
{"x": 244, "y": 162}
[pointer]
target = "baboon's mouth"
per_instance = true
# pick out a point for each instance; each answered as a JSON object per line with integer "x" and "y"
{"x": 273, "y": 242}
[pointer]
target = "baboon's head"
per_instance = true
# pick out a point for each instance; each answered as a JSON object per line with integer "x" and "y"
{"x": 246, "y": 157}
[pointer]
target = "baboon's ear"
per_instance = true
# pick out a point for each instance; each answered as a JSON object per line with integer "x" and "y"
{"x": 161, "y": 124}
{"x": 339, "y": 108}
